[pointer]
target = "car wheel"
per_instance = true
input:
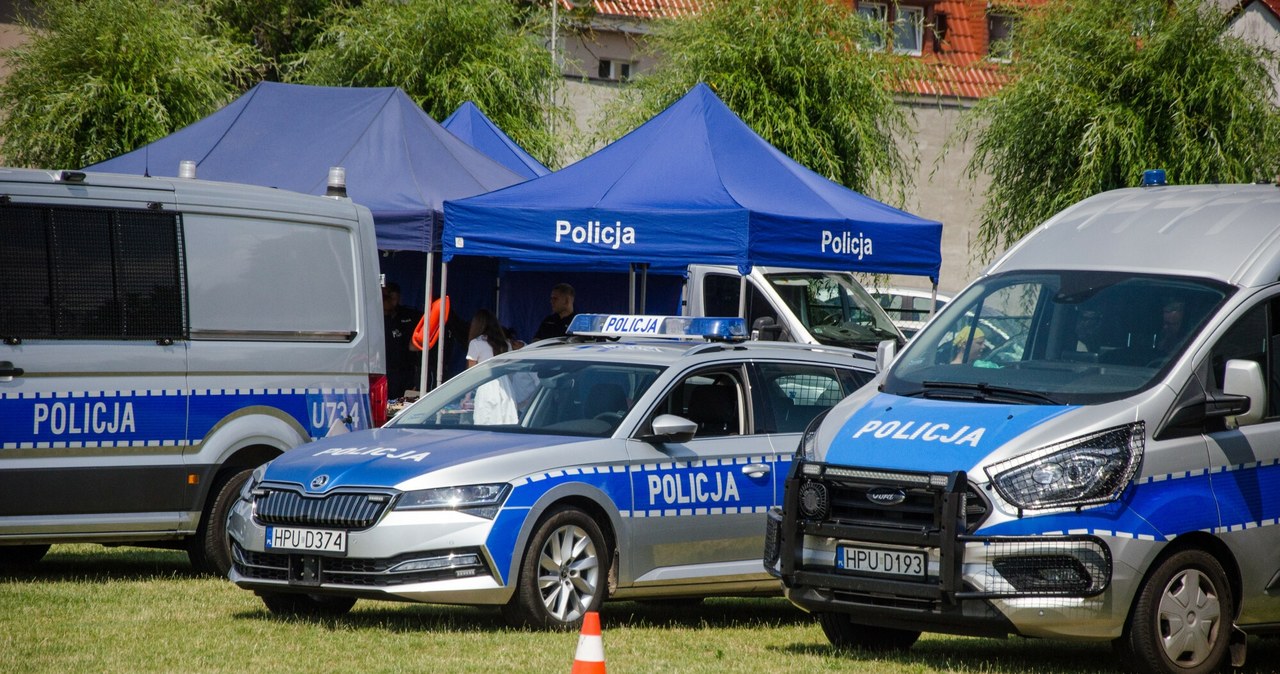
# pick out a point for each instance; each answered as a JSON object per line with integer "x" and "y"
{"x": 209, "y": 550}
{"x": 306, "y": 605}
{"x": 21, "y": 557}
{"x": 1181, "y": 621}
{"x": 562, "y": 575}
{"x": 844, "y": 634}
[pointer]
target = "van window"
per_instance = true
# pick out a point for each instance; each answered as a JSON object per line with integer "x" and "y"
{"x": 834, "y": 308}
{"x": 720, "y": 298}
{"x": 91, "y": 273}
{"x": 1071, "y": 337}
{"x": 1253, "y": 337}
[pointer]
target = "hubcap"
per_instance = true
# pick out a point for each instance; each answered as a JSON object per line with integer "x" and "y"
{"x": 1190, "y": 617}
{"x": 568, "y": 573}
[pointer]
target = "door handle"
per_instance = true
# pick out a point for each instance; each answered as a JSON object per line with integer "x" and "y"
{"x": 756, "y": 469}
{"x": 8, "y": 371}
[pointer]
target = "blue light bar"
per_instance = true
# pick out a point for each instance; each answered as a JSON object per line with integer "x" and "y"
{"x": 1153, "y": 177}
{"x": 669, "y": 327}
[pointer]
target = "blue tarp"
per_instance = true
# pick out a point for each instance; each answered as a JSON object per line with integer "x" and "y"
{"x": 399, "y": 162}
{"x": 478, "y": 131}
{"x": 693, "y": 184}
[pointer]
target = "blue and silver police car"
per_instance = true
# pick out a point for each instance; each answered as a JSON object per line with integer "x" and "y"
{"x": 634, "y": 459}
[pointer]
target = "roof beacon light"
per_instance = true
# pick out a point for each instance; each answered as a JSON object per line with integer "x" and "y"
{"x": 337, "y": 182}
{"x": 668, "y": 327}
{"x": 1153, "y": 177}
{"x": 187, "y": 169}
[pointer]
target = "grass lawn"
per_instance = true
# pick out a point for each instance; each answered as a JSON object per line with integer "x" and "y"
{"x": 94, "y": 609}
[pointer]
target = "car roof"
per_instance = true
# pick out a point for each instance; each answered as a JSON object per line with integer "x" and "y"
{"x": 667, "y": 352}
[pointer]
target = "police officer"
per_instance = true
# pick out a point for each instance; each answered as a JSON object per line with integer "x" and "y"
{"x": 398, "y": 323}
{"x": 557, "y": 322}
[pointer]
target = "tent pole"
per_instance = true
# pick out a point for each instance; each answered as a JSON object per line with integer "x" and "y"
{"x": 644, "y": 287}
{"x": 742, "y": 296}
{"x": 631, "y": 288}
{"x": 424, "y": 377}
{"x": 444, "y": 285}
{"x": 497, "y": 295}
{"x": 933, "y": 302}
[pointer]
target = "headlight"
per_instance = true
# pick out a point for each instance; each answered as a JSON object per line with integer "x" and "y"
{"x": 477, "y": 499}
{"x": 246, "y": 491}
{"x": 1091, "y": 469}
{"x": 808, "y": 449}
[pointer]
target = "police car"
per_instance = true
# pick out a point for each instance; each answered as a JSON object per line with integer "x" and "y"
{"x": 634, "y": 459}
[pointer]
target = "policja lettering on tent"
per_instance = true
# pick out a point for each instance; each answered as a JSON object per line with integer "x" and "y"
{"x": 595, "y": 233}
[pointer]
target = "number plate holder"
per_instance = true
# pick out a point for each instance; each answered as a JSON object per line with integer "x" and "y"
{"x": 888, "y": 562}
{"x": 292, "y": 539}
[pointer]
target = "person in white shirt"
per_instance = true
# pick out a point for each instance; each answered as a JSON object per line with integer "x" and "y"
{"x": 494, "y": 403}
{"x": 488, "y": 339}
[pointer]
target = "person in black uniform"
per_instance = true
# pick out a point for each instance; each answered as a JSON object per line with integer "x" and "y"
{"x": 398, "y": 323}
{"x": 562, "y": 313}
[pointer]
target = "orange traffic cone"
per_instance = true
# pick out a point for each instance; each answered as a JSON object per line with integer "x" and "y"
{"x": 590, "y": 656}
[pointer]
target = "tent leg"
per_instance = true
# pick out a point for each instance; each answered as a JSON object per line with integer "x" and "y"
{"x": 631, "y": 288}
{"x": 644, "y": 288}
{"x": 444, "y": 285}
{"x": 933, "y": 302}
{"x": 425, "y": 376}
{"x": 742, "y": 296}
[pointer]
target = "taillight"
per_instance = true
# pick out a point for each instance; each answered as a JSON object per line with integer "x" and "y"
{"x": 378, "y": 398}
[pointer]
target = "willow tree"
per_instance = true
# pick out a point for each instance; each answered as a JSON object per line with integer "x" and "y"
{"x": 443, "y": 53}
{"x": 98, "y": 78}
{"x": 1103, "y": 89}
{"x": 801, "y": 73}
{"x": 276, "y": 28}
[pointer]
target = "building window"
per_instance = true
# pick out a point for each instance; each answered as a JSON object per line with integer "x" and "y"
{"x": 876, "y": 13}
{"x": 614, "y": 70}
{"x": 999, "y": 33}
{"x": 908, "y": 30}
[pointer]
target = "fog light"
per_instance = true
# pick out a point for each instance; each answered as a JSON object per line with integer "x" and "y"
{"x": 1055, "y": 574}
{"x": 436, "y": 563}
{"x": 814, "y": 501}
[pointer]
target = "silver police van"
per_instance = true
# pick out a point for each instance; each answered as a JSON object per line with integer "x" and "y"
{"x": 634, "y": 459}
{"x": 1110, "y": 471}
{"x": 161, "y": 338}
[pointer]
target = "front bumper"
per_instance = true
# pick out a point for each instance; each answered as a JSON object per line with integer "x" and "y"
{"x": 435, "y": 556}
{"x": 972, "y": 585}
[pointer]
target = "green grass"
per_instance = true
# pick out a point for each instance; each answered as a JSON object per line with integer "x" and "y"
{"x": 94, "y": 609}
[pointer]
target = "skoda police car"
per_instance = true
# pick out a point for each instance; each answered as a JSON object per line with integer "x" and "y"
{"x": 633, "y": 459}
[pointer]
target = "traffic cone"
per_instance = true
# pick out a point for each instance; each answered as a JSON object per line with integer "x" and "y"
{"x": 590, "y": 656}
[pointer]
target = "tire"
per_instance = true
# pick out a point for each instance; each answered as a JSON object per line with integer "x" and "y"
{"x": 846, "y": 635}
{"x": 21, "y": 557}
{"x": 1182, "y": 618}
{"x": 563, "y": 573}
{"x": 293, "y": 605}
{"x": 209, "y": 549}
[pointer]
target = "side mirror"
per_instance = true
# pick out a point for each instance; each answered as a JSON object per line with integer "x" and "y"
{"x": 671, "y": 428}
{"x": 767, "y": 329}
{"x": 885, "y": 351}
{"x": 1243, "y": 378}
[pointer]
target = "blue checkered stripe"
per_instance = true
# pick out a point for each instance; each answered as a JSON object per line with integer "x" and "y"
{"x": 1215, "y": 500}
{"x": 161, "y": 417}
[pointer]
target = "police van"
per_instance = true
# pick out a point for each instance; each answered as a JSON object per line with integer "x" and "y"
{"x": 163, "y": 337}
{"x": 1109, "y": 472}
{"x": 634, "y": 459}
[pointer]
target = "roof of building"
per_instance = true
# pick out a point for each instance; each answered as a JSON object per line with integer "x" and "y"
{"x": 645, "y": 9}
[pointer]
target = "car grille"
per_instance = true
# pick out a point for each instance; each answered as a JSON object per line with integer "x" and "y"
{"x": 350, "y": 571}
{"x": 344, "y": 510}
{"x": 920, "y": 510}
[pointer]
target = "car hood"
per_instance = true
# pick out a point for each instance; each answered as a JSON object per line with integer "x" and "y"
{"x": 931, "y": 435}
{"x": 389, "y": 456}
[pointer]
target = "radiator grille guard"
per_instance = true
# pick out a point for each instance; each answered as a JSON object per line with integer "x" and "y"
{"x": 345, "y": 510}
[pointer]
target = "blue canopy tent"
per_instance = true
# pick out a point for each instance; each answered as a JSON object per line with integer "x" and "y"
{"x": 693, "y": 184}
{"x": 478, "y": 131}
{"x": 399, "y": 162}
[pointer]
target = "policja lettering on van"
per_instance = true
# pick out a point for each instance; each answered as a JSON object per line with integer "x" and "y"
{"x": 86, "y": 417}
{"x": 595, "y": 233}
{"x": 926, "y": 431}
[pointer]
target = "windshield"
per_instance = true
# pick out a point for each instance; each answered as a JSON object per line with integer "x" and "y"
{"x": 560, "y": 397}
{"x": 1072, "y": 337}
{"x": 834, "y": 308}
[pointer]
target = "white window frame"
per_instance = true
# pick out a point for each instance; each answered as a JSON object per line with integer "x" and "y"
{"x": 877, "y": 12}
{"x": 619, "y": 71}
{"x": 913, "y": 16}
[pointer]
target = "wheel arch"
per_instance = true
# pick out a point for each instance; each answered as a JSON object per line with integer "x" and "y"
{"x": 1205, "y": 542}
{"x": 580, "y": 496}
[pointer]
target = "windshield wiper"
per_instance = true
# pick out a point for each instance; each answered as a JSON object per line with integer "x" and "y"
{"x": 984, "y": 391}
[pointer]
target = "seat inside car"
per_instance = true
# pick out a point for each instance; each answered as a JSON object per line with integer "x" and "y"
{"x": 715, "y": 409}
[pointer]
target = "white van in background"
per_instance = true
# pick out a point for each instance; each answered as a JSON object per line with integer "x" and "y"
{"x": 795, "y": 305}
{"x": 163, "y": 337}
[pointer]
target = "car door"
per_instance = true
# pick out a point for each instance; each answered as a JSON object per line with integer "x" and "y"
{"x": 698, "y": 506}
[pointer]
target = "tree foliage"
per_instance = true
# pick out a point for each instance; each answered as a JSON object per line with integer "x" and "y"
{"x": 800, "y": 73}
{"x": 101, "y": 77}
{"x": 276, "y": 28}
{"x": 443, "y": 53}
{"x": 1104, "y": 89}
